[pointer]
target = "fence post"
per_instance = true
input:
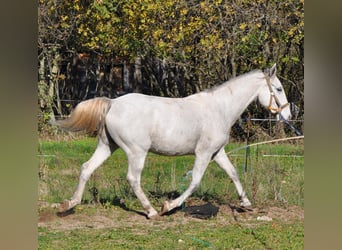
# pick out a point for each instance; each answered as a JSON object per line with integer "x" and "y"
{"x": 247, "y": 152}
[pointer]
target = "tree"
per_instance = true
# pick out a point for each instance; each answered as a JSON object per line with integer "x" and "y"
{"x": 166, "y": 48}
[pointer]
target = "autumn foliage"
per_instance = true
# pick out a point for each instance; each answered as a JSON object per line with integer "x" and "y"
{"x": 163, "y": 47}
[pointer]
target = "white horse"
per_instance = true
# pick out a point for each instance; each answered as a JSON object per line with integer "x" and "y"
{"x": 198, "y": 124}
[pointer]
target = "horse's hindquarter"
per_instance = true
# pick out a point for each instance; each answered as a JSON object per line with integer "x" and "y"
{"x": 169, "y": 126}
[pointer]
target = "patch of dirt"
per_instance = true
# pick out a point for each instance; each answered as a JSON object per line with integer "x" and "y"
{"x": 289, "y": 214}
{"x": 96, "y": 216}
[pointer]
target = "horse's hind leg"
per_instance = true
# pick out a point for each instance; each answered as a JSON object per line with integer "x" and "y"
{"x": 223, "y": 161}
{"x": 135, "y": 166}
{"x": 102, "y": 152}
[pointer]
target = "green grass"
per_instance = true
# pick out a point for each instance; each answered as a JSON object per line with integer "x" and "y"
{"x": 274, "y": 177}
{"x": 271, "y": 174}
{"x": 265, "y": 236}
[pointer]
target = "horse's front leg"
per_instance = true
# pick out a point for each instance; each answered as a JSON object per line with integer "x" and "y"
{"x": 102, "y": 152}
{"x": 201, "y": 164}
{"x": 223, "y": 161}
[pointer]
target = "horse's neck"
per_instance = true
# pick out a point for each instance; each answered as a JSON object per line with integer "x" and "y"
{"x": 238, "y": 94}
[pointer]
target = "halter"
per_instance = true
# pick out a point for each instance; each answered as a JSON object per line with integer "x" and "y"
{"x": 273, "y": 96}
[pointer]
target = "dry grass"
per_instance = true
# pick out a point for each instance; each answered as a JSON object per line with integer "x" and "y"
{"x": 274, "y": 184}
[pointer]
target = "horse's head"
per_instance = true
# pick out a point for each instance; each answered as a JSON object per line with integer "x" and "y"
{"x": 272, "y": 95}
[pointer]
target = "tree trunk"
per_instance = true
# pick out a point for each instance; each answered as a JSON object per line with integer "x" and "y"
{"x": 46, "y": 88}
{"x": 128, "y": 76}
{"x": 54, "y": 86}
{"x": 137, "y": 75}
{"x": 233, "y": 64}
{"x": 42, "y": 84}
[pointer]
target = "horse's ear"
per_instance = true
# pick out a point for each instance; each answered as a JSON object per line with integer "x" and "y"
{"x": 273, "y": 71}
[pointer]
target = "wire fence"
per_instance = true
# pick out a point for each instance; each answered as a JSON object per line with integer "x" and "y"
{"x": 268, "y": 154}
{"x": 271, "y": 174}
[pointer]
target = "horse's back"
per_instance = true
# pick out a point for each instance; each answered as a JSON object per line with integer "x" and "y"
{"x": 154, "y": 107}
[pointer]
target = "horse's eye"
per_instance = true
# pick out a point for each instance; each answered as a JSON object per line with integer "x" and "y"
{"x": 279, "y": 89}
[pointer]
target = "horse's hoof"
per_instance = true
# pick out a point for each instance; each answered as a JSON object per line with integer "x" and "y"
{"x": 152, "y": 214}
{"x": 64, "y": 206}
{"x": 245, "y": 203}
{"x": 65, "y": 209}
{"x": 247, "y": 208}
{"x": 165, "y": 208}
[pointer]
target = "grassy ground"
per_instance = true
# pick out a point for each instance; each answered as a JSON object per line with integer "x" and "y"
{"x": 273, "y": 176}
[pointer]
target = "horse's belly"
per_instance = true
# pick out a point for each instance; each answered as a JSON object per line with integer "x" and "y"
{"x": 171, "y": 151}
{"x": 173, "y": 146}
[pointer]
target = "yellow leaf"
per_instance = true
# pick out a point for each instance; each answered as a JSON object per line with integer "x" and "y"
{"x": 243, "y": 26}
{"x": 64, "y": 18}
{"x": 62, "y": 76}
{"x": 184, "y": 12}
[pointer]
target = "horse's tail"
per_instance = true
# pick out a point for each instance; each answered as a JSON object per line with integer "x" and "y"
{"x": 88, "y": 115}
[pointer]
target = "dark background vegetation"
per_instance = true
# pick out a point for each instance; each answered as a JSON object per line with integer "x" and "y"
{"x": 165, "y": 48}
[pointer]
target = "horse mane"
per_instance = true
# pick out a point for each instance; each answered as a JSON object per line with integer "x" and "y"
{"x": 232, "y": 80}
{"x": 88, "y": 115}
